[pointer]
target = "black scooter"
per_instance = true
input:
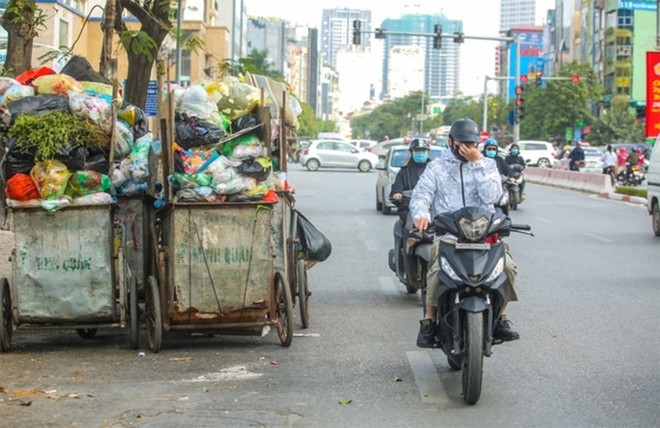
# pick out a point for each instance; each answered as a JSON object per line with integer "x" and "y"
{"x": 471, "y": 296}
{"x": 411, "y": 253}
{"x": 513, "y": 188}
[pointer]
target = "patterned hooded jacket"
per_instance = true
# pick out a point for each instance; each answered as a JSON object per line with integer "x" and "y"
{"x": 448, "y": 185}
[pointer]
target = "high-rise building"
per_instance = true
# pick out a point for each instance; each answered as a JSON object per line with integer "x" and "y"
{"x": 441, "y": 66}
{"x": 268, "y": 34}
{"x": 337, "y": 31}
{"x": 514, "y": 13}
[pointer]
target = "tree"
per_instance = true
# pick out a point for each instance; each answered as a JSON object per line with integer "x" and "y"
{"x": 617, "y": 124}
{"x": 108, "y": 33}
{"x": 21, "y": 20}
{"x": 142, "y": 46}
{"x": 257, "y": 63}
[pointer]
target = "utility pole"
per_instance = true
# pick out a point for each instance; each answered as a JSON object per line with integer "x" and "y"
{"x": 421, "y": 121}
{"x": 516, "y": 126}
{"x": 179, "y": 21}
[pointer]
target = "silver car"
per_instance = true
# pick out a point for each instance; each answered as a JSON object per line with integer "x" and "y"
{"x": 396, "y": 158}
{"x": 336, "y": 154}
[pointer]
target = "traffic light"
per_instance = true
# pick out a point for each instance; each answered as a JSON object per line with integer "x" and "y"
{"x": 458, "y": 37}
{"x": 518, "y": 109}
{"x": 437, "y": 38}
{"x": 380, "y": 33}
{"x": 357, "y": 33}
{"x": 524, "y": 79}
{"x": 575, "y": 78}
{"x": 539, "y": 75}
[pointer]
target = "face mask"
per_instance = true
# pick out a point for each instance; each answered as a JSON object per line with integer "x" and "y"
{"x": 514, "y": 152}
{"x": 491, "y": 153}
{"x": 454, "y": 148}
{"x": 420, "y": 157}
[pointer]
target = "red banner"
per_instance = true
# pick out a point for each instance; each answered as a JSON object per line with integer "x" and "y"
{"x": 652, "y": 94}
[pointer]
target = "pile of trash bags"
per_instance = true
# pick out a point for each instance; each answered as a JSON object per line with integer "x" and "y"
{"x": 68, "y": 163}
{"x": 213, "y": 160}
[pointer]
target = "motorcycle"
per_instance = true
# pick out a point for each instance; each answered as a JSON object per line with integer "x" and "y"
{"x": 633, "y": 175}
{"x": 411, "y": 253}
{"x": 471, "y": 296}
{"x": 513, "y": 186}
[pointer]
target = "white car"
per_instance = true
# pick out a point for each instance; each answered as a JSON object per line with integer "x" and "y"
{"x": 653, "y": 187}
{"x": 336, "y": 154}
{"x": 396, "y": 158}
{"x": 536, "y": 153}
{"x": 362, "y": 144}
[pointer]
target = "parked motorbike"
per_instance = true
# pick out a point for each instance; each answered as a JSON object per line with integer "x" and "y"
{"x": 471, "y": 296}
{"x": 411, "y": 253}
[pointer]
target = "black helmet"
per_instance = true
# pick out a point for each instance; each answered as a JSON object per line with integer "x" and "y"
{"x": 465, "y": 130}
{"x": 418, "y": 144}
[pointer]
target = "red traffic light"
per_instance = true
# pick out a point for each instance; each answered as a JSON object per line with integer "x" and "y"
{"x": 519, "y": 90}
{"x": 519, "y": 101}
{"x": 523, "y": 78}
{"x": 575, "y": 78}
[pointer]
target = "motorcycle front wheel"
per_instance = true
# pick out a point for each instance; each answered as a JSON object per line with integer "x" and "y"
{"x": 473, "y": 356}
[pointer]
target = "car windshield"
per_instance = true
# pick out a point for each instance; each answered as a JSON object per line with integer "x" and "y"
{"x": 592, "y": 153}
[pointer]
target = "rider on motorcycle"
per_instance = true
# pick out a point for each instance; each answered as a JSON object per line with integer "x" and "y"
{"x": 514, "y": 158}
{"x": 408, "y": 175}
{"x": 490, "y": 150}
{"x": 459, "y": 177}
{"x": 576, "y": 156}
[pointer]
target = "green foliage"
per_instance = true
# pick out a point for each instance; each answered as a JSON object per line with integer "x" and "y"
{"x": 310, "y": 125}
{"x": 139, "y": 43}
{"x": 18, "y": 10}
{"x": 257, "y": 63}
{"x": 632, "y": 191}
{"x": 52, "y": 131}
{"x": 616, "y": 125}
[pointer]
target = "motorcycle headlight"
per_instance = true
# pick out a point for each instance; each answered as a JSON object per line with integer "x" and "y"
{"x": 474, "y": 230}
{"x": 499, "y": 268}
{"x": 446, "y": 268}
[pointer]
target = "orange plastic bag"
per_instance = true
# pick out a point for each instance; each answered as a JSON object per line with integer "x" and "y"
{"x": 271, "y": 196}
{"x": 21, "y": 187}
{"x": 27, "y": 77}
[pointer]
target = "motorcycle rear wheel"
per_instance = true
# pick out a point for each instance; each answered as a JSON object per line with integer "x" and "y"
{"x": 473, "y": 356}
{"x": 513, "y": 200}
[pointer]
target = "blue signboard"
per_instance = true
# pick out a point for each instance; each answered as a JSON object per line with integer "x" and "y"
{"x": 531, "y": 56}
{"x": 638, "y": 5}
{"x": 151, "y": 105}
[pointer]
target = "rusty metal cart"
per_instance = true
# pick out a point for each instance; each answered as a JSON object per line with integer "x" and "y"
{"x": 218, "y": 273}
{"x": 68, "y": 272}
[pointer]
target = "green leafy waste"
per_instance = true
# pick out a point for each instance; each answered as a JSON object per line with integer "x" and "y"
{"x": 52, "y": 131}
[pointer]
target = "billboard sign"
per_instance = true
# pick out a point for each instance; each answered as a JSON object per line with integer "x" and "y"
{"x": 531, "y": 56}
{"x": 638, "y": 5}
{"x": 652, "y": 94}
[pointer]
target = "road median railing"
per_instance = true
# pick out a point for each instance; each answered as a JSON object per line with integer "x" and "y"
{"x": 584, "y": 181}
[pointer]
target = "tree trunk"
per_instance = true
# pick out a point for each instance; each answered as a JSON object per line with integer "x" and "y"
{"x": 139, "y": 74}
{"x": 108, "y": 27}
{"x": 20, "y": 36}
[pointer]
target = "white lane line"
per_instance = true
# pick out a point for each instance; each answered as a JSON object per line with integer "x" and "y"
{"x": 426, "y": 377}
{"x": 598, "y": 237}
{"x": 388, "y": 286}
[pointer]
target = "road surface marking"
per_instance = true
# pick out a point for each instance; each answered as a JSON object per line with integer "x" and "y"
{"x": 388, "y": 286}
{"x": 599, "y": 238}
{"x": 426, "y": 377}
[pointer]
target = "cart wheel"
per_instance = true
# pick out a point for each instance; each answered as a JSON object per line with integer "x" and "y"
{"x": 5, "y": 316}
{"x": 303, "y": 293}
{"x": 152, "y": 313}
{"x": 87, "y": 333}
{"x": 284, "y": 309}
{"x": 135, "y": 317}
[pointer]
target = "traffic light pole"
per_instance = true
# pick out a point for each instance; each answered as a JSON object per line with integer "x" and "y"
{"x": 516, "y": 126}
{"x": 484, "y": 121}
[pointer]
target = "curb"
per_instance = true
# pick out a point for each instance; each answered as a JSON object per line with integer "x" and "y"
{"x": 624, "y": 198}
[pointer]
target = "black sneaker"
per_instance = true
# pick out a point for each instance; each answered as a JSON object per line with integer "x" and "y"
{"x": 426, "y": 336}
{"x": 504, "y": 332}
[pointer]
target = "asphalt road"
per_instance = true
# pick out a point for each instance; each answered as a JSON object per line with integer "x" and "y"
{"x": 588, "y": 317}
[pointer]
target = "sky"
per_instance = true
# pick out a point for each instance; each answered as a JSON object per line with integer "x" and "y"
{"x": 480, "y": 18}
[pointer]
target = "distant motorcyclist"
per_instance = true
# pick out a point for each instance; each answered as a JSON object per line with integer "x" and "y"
{"x": 632, "y": 160}
{"x": 514, "y": 158}
{"x": 576, "y": 156}
{"x": 609, "y": 160}
{"x": 409, "y": 174}
{"x": 490, "y": 150}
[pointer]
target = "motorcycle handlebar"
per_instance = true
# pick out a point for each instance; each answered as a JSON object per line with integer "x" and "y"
{"x": 521, "y": 227}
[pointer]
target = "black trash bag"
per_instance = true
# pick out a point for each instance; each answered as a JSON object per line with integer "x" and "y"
{"x": 80, "y": 69}
{"x": 179, "y": 166}
{"x": 73, "y": 156}
{"x": 314, "y": 244}
{"x": 238, "y": 197}
{"x": 251, "y": 168}
{"x": 245, "y": 122}
{"x": 15, "y": 161}
{"x": 97, "y": 160}
{"x": 35, "y": 105}
{"x": 140, "y": 123}
{"x": 192, "y": 132}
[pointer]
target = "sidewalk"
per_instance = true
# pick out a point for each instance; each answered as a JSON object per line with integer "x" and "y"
{"x": 624, "y": 198}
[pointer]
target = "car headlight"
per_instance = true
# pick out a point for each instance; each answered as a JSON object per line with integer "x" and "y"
{"x": 499, "y": 268}
{"x": 446, "y": 268}
{"x": 474, "y": 230}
